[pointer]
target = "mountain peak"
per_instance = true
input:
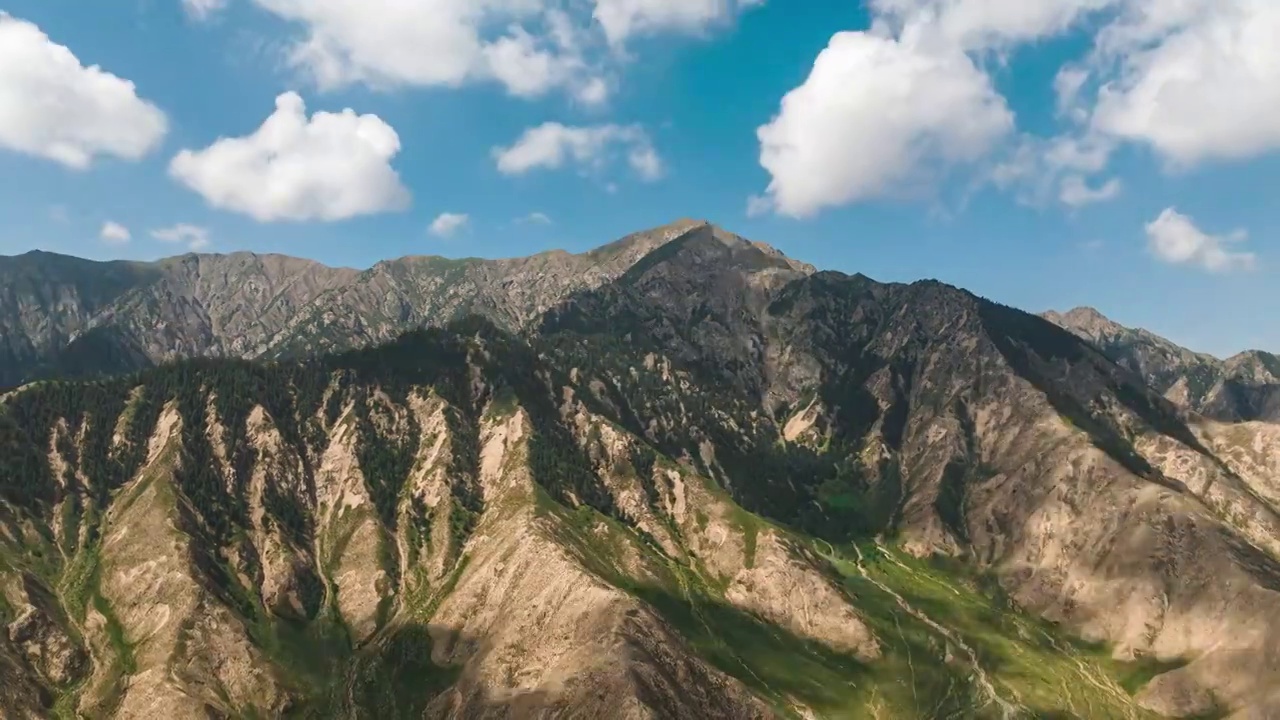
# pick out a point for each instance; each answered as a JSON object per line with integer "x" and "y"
{"x": 1086, "y": 322}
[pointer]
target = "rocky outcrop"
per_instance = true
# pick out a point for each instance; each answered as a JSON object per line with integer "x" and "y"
{"x": 1241, "y": 388}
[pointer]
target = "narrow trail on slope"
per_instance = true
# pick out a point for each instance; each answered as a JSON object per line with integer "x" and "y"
{"x": 1008, "y": 710}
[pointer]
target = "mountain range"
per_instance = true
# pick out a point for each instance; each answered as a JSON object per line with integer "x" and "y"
{"x": 1243, "y": 387}
{"x": 681, "y": 476}
{"x": 63, "y": 316}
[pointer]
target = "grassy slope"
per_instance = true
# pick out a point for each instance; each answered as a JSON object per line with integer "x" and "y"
{"x": 1037, "y": 670}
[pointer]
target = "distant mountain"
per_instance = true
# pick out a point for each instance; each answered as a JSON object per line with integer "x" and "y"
{"x": 1243, "y": 387}
{"x": 716, "y": 485}
{"x": 57, "y": 311}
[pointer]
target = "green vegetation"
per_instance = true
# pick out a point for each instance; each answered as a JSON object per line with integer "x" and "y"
{"x": 397, "y": 679}
{"x": 942, "y": 632}
{"x": 1030, "y": 663}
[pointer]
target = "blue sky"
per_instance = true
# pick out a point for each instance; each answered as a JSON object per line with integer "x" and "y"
{"x": 918, "y": 147}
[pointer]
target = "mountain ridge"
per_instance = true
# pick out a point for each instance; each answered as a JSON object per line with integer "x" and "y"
{"x": 250, "y": 305}
{"x": 715, "y": 485}
{"x": 1243, "y": 387}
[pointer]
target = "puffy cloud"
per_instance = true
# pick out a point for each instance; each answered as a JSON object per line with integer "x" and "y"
{"x": 553, "y": 145}
{"x": 1174, "y": 238}
{"x": 52, "y": 106}
{"x": 983, "y": 24}
{"x": 527, "y": 70}
{"x": 446, "y": 224}
{"x": 113, "y": 233}
{"x": 330, "y": 166}
{"x": 389, "y": 43}
{"x": 194, "y": 237}
{"x": 529, "y": 46}
{"x": 1198, "y": 79}
{"x": 875, "y": 115}
{"x": 906, "y": 100}
{"x": 622, "y": 19}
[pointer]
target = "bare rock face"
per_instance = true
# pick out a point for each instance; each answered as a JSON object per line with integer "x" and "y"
{"x": 47, "y": 646}
{"x": 1241, "y": 388}
{"x": 536, "y": 631}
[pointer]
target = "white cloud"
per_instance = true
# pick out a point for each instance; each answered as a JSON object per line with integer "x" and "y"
{"x": 53, "y": 107}
{"x": 447, "y": 224}
{"x": 330, "y": 166}
{"x": 194, "y": 237}
{"x": 1067, "y": 85}
{"x": 113, "y": 233}
{"x": 983, "y": 24}
{"x": 202, "y": 9}
{"x": 1076, "y": 191}
{"x": 553, "y": 145}
{"x": 530, "y": 46}
{"x": 1198, "y": 79}
{"x": 528, "y": 70}
{"x": 875, "y": 115}
{"x": 622, "y": 19}
{"x": 645, "y": 161}
{"x": 535, "y": 218}
{"x": 1174, "y": 238}
{"x": 758, "y": 205}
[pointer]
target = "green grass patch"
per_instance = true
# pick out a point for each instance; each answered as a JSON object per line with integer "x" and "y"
{"x": 1027, "y": 660}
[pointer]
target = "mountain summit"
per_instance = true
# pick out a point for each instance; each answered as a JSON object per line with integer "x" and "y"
{"x": 1243, "y": 387}
{"x": 62, "y": 316}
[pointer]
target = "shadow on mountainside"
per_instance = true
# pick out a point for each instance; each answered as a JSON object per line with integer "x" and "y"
{"x": 1076, "y": 380}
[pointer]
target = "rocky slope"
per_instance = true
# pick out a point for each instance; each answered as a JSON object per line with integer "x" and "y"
{"x": 62, "y": 316}
{"x": 718, "y": 485}
{"x": 1241, "y": 388}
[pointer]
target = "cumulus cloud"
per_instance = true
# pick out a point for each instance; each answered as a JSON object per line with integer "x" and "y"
{"x": 552, "y": 145}
{"x": 53, "y": 107}
{"x": 529, "y": 46}
{"x": 1198, "y": 79}
{"x": 331, "y": 166}
{"x": 113, "y": 233}
{"x": 621, "y": 19}
{"x": 194, "y": 237}
{"x": 890, "y": 108}
{"x": 983, "y": 24}
{"x": 1175, "y": 238}
{"x": 1195, "y": 80}
{"x": 874, "y": 116}
{"x": 447, "y": 224}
